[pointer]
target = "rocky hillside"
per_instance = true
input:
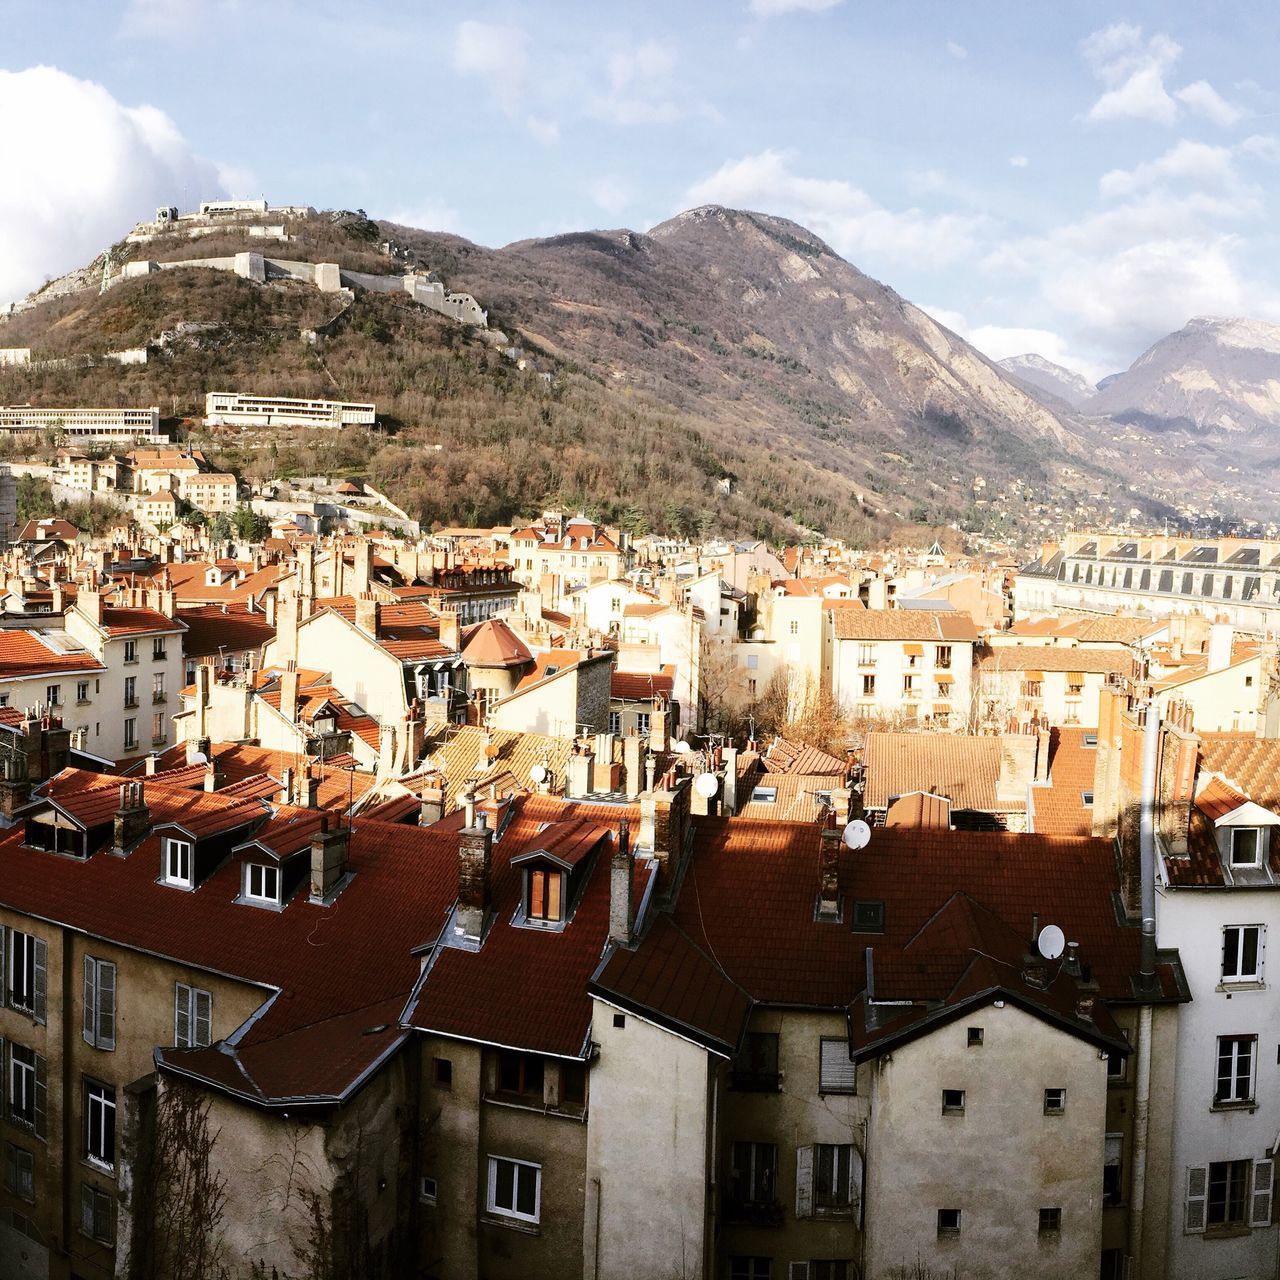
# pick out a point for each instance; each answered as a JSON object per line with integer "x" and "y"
{"x": 721, "y": 344}
{"x": 1050, "y": 383}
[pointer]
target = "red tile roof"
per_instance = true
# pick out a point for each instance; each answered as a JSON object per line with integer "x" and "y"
{"x": 121, "y": 620}
{"x": 904, "y": 624}
{"x": 228, "y": 627}
{"x": 640, "y": 686}
{"x": 1059, "y": 808}
{"x": 26, "y": 653}
{"x": 964, "y": 768}
{"x": 494, "y": 644}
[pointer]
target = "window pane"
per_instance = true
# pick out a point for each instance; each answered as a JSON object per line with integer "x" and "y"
{"x": 526, "y": 1190}
{"x": 504, "y": 1184}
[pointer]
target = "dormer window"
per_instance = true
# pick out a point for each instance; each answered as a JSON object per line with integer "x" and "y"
{"x": 544, "y": 902}
{"x": 1246, "y": 845}
{"x": 177, "y": 863}
{"x": 262, "y": 883}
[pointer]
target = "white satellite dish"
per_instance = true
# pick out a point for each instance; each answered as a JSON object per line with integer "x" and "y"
{"x": 198, "y": 757}
{"x": 857, "y": 835}
{"x": 706, "y": 785}
{"x": 538, "y": 773}
{"x": 1052, "y": 942}
{"x": 681, "y": 748}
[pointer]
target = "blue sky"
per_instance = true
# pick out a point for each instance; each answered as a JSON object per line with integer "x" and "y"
{"x": 1074, "y": 179}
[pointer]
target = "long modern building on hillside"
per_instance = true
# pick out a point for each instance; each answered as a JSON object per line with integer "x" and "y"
{"x": 237, "y": 409}
{"x": 1233, "y": 577}
{"x": 84, "y": 424}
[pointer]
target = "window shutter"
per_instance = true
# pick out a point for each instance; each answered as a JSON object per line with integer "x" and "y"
{"x": 837, "y": 1074}
{"x": 86, "y": 1208}
{"x": 11, "y": 1166}
{"x": 4, "y": 956}
{"x": 1197, "y": 1193}
{"x": 40, "y": 980}
{"x": 42, "y": 1097}
{"x": 798, "y": 1271}
{"x": 1263, "y": 1184}
{"x": 804, "y": 1182}
{"x": 855, "y": 1179}
{"x": 203, "y": 1018}
{"x": 90, "y": 1002}
{"x": 182, "y": 1016}
{"x": 1262, "y": 949}
{"x": 106, "y": 1005}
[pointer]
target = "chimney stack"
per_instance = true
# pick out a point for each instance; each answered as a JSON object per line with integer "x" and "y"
{"x": 213, "y": 775}
{"x": 632, "y": 767}
{"x": 829, "y": 873}
{"x": 289, "y": 693}
{"x": 89, "y": 602}
{"x": 581, "y": 770}
{"x": 329, "y": 862}
{"x": 475, "y": 864}
{"x": 622, "y": 889}
{"x": 132, "y": 819}
{"x": 658, "y": 740}
{"x": 450, "y": 630}
{"x": 368, "y": 613}
{"x": 433, "y": 797}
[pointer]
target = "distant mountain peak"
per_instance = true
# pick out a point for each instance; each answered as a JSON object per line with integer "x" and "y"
{"x": 1042, "y": 377}
{"x": 790, "y": 235}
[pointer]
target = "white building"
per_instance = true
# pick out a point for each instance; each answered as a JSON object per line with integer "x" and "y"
{"x": 85, "y": 424}
{"x": 237, "y": 409}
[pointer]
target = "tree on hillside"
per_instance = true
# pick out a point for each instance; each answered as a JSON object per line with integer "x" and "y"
{"x": 249, "y": 526}
{"x": 35, "y": 498}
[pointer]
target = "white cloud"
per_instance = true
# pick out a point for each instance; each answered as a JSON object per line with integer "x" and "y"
{"x": 957, "y": 51}
{"x": 92, "y": 169}
{"x": 642, "y": 87}
{"x": 1019, "y": 162}
{"x": 1204, "y": 100}
{"x": 998, "y": 342}
{"x": 772, "y": 8}
{"x": 498, "y": 55}
{"x": 849, "y": 219}
{"x": 543, "y": 129}
{"x": 1141, "y": 97}
{"x": 1192, "y": 162}
{"x": 426, "y": 215}
{"x": 610, "y": 195}
{"x": 173, "y": 20}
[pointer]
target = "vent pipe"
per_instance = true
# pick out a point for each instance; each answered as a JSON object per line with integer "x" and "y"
{"x": 1147, "y": 843}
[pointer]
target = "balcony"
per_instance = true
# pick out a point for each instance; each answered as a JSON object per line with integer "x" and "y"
{"x": 157, "y": 698}
{"x": 752, "y": 1213}
{"x": 130, "y": 703}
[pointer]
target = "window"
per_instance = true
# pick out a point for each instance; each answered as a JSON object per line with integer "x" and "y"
{"x": 1050, "y": 1221}
{"x": 427, "y": 1190}
{"x": 100, "y": 1124}
{"x": 1090, "y": 740}
{"x": 756, "y": 1067}
{"x": 836, "y": 1073}
{"x": 28, "y": 1089}
{"x": 157, "y": 687}
{"x": 1228, "y": 1194}
{"x": 794, "y": 628}
{"x": 1112, "y": 1168}
{"x": 97, "y": 1214}
{"x": 866, "y": 655}
{"x": 832, "y": 1166}
{"x": 131, "y": 651}
{"x": 1116, "y": 1064}
{"x": 130, "y": 734}
{"x": 750, "y": 1267}
{"x": 28, "y": 974}
{"x": 192, "y": 1017}
{"x": 974, "y": 1037}
{"x": 642, "y": 722}
{"x": 157, "y": 728}
{"x": 948, "y": 1222}
{"x": 953, "y": 1102}
{"x": 53, "y": 694}
{"x": 515, "y": 1188}
{"x": 442, "y": 1070}
{"x": 942, "y": 655}
{"x": 910, "y": 684}
{"x": 1242, "y": 953}
{"x": 868, "y": 686}
{"x": 99, "y": 1025}
{"x": 157, "y": 649}
{"x": 753, "y": 1174}
{"x": 545, "y": 902}
{"x": 521, "y": 1074}
{"x": 615, "y": 722}
{"x": 868, "y": 917}
{"x": 131, "y": 691}
{"x": 753, "y": 662}
{"x": 20, "y": 1171}
{"x": 764, "y": 795}
{"x": 82, "y": 691}
{"x": 261, "y": 882}
{"x": 1245, "y": 844}
{"x": 1235, "y": 1069}
{"x": 830, "y": 1269}
{"x": 573, "y": 1084}
{"x": 177, "y": 862}
{"x": 1055, "y": 1101}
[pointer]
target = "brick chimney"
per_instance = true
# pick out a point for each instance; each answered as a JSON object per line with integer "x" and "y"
{"x": 658, "y": 740}
{"x": 622, "y": 912}
{"x": 15, "y": 785}
{"x": 433, "y": 801}
{"x": 132, "y": 819}
{"x": 450, "y": 630}
{"x": 632, "y": 765}
{"x": 89, "y": 602}
{"x": 329, "y": 849}
{"x": 829, "y": 873}
{"x": 363, "y": 567}
{"x": 289, "y": 694}
{"x": 1017, "y": 766}
{"x": 664, "y": 819}
{"x": 213, "y": 775}
{"x": 475, "y": 866}
{"x": 577, "y": 783}
{"x": 368, "y": 613}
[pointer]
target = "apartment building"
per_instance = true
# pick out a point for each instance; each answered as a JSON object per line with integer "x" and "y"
{"x": 576, "y": 551}
{"x": 243, "y": 409}
{"x": 909, "y": 664}
{"x": 105, "y": 425}
{"x": 1021, "y": 688}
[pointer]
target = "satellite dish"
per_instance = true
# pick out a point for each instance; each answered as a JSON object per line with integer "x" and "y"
{"x": 857, "y": 835}
{"x": 198, "y": 757}
{"x": 682, "y": 748}
{"x": 538, "y": 773}
{"x": 1052, "y": 942}
{"x": 706, "y": 785}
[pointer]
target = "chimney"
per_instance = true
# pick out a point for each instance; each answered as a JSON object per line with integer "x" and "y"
{"x": 286, "y": 785}
{"x": 829, "y": 874}
{"x": 1017, "y": 766}
{"x": 289, "y": 693}
{"x": 658, "y": 740}
{"x": 90, "y": 604}
{"x": 877, "y": 593}
{"x": 312, "y": 798}
{"x": 632, "y": 768}
{"x": 1042, "y": 756}
{"x": 729, "y": 789}
{"x": 581, "y": 771}
{"x": 663, "y": 821}
{"x": 368, "y": 613}
{"x": 450, "y": 631}
{"x": 433, "y": 796}
{"x": 15, "y": 784}
{"x": 329, "y": 862}
{"x": 386, "y": 750}
{"x": 1220, "y": 638}
{"x": 621, "y": 889}
{"x": 132, "y": 819}
{"x": 363, "y": 570}
{"x": 475, "y": 857}
{"x": 213, "y": 775}
{"x": 151, "y": 763}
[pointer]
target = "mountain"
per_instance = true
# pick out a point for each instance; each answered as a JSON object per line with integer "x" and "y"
{"x": 1222, "y": 374}
{"x": 1042, "y": 378}
{"x": 726, "y": 368}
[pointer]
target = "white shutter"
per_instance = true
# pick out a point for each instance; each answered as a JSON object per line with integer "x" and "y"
{"x": 804, "y": 1182}
{"x": 182, "y": 1016}
{"x": 836, "y": 1073}
{"x": 42, "y": 1097}
{"x": 203, "y": 1019}
{"x": 40, "y": 980}
{"x": 1263, "y": 1184}
{"x": 106, "y": 1004}
{"x": 90, "y": 1018}
{"x": 798, "y": 1271}
{"x": 1197, "y": 1196}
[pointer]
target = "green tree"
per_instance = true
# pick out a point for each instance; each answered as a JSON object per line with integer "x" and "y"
{"x": 220, "y": 527}
{"x": 249, "y": 525}
{"x": 35, "y": 498}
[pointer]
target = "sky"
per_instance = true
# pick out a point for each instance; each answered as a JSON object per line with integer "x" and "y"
{"x": 1076, "y": 180}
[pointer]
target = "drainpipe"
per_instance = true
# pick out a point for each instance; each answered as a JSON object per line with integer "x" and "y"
{"x": 1147, "y": 980}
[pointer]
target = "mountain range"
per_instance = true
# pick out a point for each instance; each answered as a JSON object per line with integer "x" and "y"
{"x": 724, "y": 368}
